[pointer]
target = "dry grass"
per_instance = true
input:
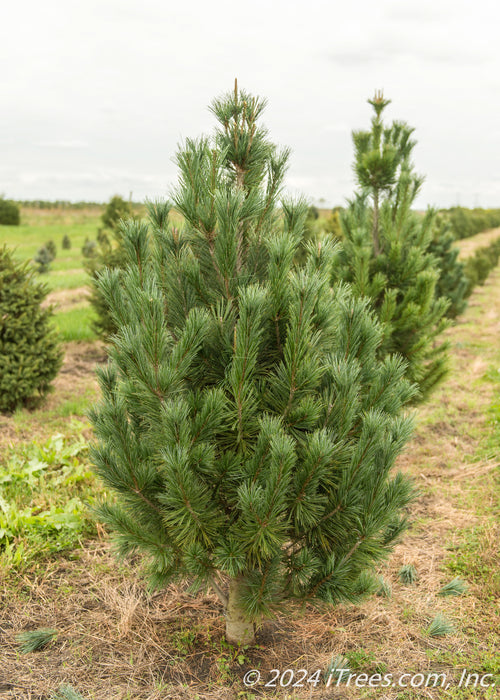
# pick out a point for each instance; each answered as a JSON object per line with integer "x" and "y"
{"x": 468, "y": 246}
{"x": 117, "y": 641}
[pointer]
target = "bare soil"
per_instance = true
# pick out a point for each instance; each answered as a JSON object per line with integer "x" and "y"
{"x": 65, "y": 299}
{"x": 117, "y": 641}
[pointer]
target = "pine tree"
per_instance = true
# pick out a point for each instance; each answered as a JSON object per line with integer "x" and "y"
{"x": 107, "y": 252}
{"x": 30, "y": 352}
{"x": 452, "y": 282}
{"x": 43, "y": 258}
{"x": 66, "y": 242}
{"x": 246, "y": 424}
{"x": 385, "y": 250}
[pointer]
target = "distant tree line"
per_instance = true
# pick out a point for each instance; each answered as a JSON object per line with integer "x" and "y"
{"x": 63, "y": 204}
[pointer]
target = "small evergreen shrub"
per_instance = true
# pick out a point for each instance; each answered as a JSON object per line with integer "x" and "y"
{"x": 9, "y": 213}
{"x": 66, "y": 242}
{"x": 43, "y": 258}
{"x": 30, "y": 352}
{"x": 89, "y": 248}
{"x": 51, "y": 247}
{"x": 108, "y": 253}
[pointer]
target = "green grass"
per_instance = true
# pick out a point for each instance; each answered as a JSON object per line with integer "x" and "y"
{"x": 76, "y": 323}
{"x": 66, "y": 270}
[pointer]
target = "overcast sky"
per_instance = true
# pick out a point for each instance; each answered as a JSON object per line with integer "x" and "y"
{"x": 95, "y": 95}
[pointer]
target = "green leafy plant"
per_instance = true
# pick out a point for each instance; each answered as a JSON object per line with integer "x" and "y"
{"x": 30, "y": 352}
{"x": 246, "y": 425}
{"x": 43, "y": 489}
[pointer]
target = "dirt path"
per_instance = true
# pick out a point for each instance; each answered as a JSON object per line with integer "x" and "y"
{"x": 468, "y": 246}
{"x": 65, "y": 299}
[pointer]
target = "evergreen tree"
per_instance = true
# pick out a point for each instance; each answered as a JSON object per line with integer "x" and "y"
{"x": 452, "y": 282}
{"x": 43, "y": 258}
{"x": 51, "y": 247}
{"x": 66, "y": 242}
{"x": 385, "y": 250}
{"x": 9, "y": 213}
{"x": 30, "y": 352}
{"x": 246, "y": 424}
{"x": 107, "y": 252}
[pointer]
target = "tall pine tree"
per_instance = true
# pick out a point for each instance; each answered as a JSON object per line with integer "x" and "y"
{"x": 385, "y": 250}
{"x": 246, "y": 425}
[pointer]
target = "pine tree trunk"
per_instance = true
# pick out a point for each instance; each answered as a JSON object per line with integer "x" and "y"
{"x": 238, "y": 629}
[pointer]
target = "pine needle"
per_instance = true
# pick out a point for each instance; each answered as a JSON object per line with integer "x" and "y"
{"x": 336, "y": 664}
{"x": 408, "y": 574}
{"x": 35, "y": 639}
{"x": 385, "y": 588}
{"x": 66, "y": 692}
{"x": 454, "y": 587}
{"x": 440, "y": 627}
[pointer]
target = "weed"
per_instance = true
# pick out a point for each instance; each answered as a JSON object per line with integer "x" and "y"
{"x": 44, "y": 488}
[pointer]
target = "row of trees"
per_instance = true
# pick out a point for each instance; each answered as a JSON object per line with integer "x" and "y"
{"x": 467, "y": 222}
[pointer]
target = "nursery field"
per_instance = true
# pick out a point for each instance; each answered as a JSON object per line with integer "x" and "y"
{"x": 431, "y": 631}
